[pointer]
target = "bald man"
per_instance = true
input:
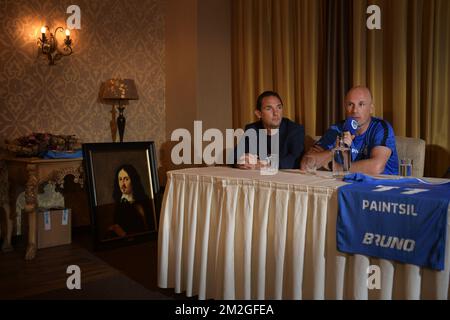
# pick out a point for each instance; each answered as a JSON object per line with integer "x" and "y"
{"x": 373, "y": 146}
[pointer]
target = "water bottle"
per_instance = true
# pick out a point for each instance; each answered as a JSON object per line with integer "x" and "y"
{"x": 341, "y": 158}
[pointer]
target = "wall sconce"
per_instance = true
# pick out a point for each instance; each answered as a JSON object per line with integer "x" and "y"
{"x": 48, "y": 45}
{"x": 120, "y": 91}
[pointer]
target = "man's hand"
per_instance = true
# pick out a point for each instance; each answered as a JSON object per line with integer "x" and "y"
{"x": 321, "y": 157}
{"x": 348, "y": 138}
{"x": 250, "y": 161}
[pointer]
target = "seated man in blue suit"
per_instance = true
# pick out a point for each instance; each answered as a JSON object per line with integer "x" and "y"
{"x": 269, "y": 109}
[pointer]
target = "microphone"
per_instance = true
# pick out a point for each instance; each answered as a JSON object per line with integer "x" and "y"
{"x": 350, "y": 125}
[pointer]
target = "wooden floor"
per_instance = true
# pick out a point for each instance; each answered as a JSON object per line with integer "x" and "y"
{"x": 125, "y": 273}
{"x": 47, "y": 272}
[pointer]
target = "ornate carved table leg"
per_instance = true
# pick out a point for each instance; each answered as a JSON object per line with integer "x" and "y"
{"x": 7, "y": 247}
{"x": 30, "y": 209}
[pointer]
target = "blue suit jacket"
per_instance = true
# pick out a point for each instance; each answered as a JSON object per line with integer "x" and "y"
{"x": 292, "y": 136}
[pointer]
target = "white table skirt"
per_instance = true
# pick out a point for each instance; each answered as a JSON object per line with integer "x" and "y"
{"x": 232, "y": 234}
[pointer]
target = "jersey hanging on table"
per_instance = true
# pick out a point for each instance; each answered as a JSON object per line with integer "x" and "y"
{"x": 403, "y": 220}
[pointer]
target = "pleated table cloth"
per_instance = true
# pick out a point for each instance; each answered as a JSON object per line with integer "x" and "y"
{"x": 229, "y": 234}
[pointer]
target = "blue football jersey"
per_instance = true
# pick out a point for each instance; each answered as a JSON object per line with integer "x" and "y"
{"x": 379, "y": 133}
{"x": 402, "y": 220}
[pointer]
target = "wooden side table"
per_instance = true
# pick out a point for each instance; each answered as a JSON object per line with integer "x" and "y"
{"x": 31, "y": 172}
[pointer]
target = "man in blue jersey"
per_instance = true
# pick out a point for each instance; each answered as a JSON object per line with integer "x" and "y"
{"x": 373, "y": 146}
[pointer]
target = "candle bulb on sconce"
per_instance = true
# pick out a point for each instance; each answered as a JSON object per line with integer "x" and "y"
{"x": 67, "y": 41}
{"x": 43, "y": 30}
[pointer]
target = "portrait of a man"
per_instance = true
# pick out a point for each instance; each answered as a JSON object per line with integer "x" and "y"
{"x": 132, "y": 205}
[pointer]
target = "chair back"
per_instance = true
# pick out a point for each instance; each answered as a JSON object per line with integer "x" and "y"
{"x": 412, "y": 148}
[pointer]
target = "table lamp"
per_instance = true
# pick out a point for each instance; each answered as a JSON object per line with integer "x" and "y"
{"x": 120, "y": 90}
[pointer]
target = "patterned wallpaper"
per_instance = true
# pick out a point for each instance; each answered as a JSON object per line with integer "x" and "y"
{"x": 118, "y": 38}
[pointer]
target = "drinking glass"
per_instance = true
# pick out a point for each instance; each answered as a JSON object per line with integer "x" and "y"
{"x": 310, "y": 164}
{"x": 405, "y": 167}
{"x": 271, "y": 166}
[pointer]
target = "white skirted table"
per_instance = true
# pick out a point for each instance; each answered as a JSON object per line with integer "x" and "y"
{"x": 231, "y": 234}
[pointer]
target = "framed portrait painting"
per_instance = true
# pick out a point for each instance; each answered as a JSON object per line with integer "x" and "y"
{"x": 122, "y": 181}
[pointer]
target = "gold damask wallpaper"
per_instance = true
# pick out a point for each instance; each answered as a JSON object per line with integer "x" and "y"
{"x": 118, "y": 38}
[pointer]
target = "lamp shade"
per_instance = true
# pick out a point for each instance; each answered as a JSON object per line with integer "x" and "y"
{"x": 120, "y": 89}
